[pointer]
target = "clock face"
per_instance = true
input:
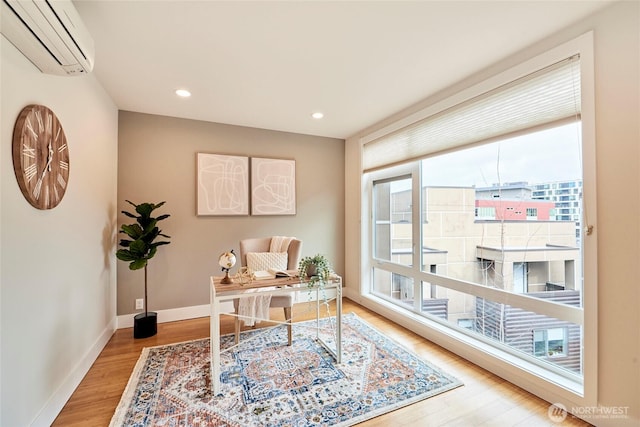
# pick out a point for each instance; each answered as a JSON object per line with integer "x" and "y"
{"x": 40, "y": 156}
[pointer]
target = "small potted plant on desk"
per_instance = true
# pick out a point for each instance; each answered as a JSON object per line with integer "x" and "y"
{"x": 138, "y": 250}
{"x": 315, "y": 269}
{"x": 316, "y": 272}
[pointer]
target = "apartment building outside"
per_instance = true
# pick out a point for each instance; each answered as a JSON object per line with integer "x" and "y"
{"x": 565, "y": 196}
{"x": 523, "y": 253}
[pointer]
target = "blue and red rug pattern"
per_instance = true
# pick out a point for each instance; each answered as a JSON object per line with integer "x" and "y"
{"x": 267, "y": 383}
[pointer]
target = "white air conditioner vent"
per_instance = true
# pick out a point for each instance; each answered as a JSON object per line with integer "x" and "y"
{"x": 50, "y": 34}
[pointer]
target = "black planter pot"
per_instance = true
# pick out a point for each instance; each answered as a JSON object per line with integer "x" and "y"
{"x": 145, "y": 325}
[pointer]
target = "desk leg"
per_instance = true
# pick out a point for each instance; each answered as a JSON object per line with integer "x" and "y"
{"x": 339, "y": 321}
{"x": 215, "y": 343}
{"x": 317, "y": 312}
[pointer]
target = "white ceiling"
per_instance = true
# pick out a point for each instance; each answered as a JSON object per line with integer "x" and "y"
{"x": 270, "y": 64}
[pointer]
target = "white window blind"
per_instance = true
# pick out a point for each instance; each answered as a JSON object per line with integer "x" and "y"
{"x": 549, "y": 95}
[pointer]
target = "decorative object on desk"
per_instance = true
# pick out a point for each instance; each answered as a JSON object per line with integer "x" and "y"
{"x": 317, "y": 271}
{"x": 277, "y": 385}
{"x": 226, "y": 261}
{"x": 223, "y": 184}
{"x": 244, "y": 276}
{"x": 273, "y": 186}
{"x": 317, "y": 268}
{"x": 138, "y": 250}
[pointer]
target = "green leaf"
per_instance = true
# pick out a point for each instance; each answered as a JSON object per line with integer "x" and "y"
{"x": 125, "y": 243}
{"x": 129, "y": 214}
{"x": 125, "y": 255}
{"x": 133, "y": 230}
{"x": 144, "y": 209}
{"x": 151, "y": 228}
{"x": 152, "y": 252}
{"x": 165, "y": 216}
{"x": 138, "y": 264}
{"x": 139, "y": 248}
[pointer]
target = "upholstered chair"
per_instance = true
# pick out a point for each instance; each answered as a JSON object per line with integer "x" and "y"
{"x": 263, "y": 244}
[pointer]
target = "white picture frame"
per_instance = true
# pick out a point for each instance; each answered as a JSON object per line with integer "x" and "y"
{"x": 273, "y": 186}
{"x": 223, "y": 184}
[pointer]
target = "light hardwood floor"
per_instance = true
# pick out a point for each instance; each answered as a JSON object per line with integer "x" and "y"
{"x": 484, "y": 400}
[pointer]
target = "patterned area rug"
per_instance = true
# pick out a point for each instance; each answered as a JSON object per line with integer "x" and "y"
{"x": 267, "y": 383}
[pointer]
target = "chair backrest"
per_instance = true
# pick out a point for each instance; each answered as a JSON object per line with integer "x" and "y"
{"x": 263, "y": 244}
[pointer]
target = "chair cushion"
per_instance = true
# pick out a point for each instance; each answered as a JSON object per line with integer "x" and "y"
{"x": 281, "y": 301}
{"x": 260, "y": 261}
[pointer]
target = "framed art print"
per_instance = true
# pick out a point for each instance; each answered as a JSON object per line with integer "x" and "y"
{"x": 223, "y": 184}
{"x": 273, "y": 186}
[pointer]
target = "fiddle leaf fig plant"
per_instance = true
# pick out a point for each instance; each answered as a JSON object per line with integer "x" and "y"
{"x": 141, "y": 244}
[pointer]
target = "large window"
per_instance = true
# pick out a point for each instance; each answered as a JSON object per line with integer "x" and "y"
{"x": 507, "y": 247}
{"x": 468, "y": 224}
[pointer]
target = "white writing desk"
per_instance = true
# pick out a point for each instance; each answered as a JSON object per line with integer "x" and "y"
{"x": 279, "y": 286}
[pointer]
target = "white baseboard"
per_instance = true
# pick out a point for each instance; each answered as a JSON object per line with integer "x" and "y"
{"x": 56, "y": 402}
{"x": 185, "y": 313}
{"x": 175, "y": 314}
{"x": 193, "y": 312}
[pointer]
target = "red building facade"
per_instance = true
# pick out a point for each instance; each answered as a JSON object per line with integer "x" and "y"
{"x": 516, "y": 210}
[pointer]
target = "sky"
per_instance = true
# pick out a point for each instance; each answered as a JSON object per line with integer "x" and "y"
{"x": 544, "y": 156}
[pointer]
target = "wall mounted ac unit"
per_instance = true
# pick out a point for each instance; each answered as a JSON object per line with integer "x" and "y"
{"x": 50, "y": 34}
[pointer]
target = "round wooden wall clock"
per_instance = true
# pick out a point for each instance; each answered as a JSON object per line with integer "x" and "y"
{"x": 40, "y": 156}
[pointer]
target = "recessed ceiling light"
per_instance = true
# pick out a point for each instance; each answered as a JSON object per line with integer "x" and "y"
{"x": 317, "y": 115}
{"x": 183, "y": 93}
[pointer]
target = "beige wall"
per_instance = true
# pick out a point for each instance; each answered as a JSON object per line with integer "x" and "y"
{"x": 57, "y": 277}
{"x": 617, "y": 88}
{"x": 157, "y": 162}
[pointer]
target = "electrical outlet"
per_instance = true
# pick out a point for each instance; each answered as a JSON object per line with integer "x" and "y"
{"x": 139, "y": 304}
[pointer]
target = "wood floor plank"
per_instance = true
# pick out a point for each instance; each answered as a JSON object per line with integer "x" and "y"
{"x": 484, "y": 400}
